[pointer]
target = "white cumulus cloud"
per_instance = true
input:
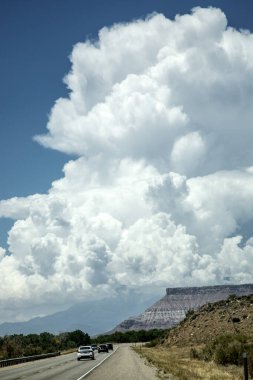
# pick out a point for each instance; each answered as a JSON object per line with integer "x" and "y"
{"x": 159, "y": 117}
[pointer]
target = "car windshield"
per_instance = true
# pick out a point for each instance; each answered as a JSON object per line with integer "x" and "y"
{"x": 84, "y": 348}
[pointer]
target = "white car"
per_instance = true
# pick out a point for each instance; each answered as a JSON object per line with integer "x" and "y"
{"x": 84, "y": 352}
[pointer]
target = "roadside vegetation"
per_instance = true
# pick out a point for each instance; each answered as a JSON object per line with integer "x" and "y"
{"x": 226, "y": 349}
{"x": 176, "y": 363}
{"x": 131, "y": 336}
{"x": 18, "y": 345}
{"x": 208, "y": 344}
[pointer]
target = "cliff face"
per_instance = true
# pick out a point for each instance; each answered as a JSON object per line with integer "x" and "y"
{"x": 172, "y": 308}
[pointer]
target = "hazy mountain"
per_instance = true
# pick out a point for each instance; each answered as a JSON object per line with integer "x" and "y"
{"x": 93, "y": 317}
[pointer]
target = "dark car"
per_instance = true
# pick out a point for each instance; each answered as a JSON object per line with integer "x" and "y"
{"x": 110, "y": 346}
{"x": 103, "y": 348}
{"x": 94, "y": 347}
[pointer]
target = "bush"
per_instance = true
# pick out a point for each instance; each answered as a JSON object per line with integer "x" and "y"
{"x": 153, "y": 343}
{"x": 226, "y": 349}
{"x": 194, "y": 354}
{"x": 229, "y": 354}
{"x": 189, "y": 313}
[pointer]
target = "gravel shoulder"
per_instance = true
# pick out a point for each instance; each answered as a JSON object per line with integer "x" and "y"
{"x": 124, "y": 364}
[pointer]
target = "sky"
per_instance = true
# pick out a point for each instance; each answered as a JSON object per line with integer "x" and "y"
{"x": 126, "y": 149}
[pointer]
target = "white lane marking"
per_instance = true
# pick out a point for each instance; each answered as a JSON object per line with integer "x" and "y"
{"x": 92, "y": 369}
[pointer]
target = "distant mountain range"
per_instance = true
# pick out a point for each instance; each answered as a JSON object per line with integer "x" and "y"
{"x": 93, "y": 317}
{"x": 172, "y": 308}
{"x": 98, "y": 317}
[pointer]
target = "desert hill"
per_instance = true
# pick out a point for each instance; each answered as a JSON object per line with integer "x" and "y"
{"x": 233, "y": 315}
{"x": 172, "y": 308}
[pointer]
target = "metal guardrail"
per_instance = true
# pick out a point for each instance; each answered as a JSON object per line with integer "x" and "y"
{"x": 24, "y": 359}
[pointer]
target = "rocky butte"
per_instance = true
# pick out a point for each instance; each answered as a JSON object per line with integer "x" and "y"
{"x": 172, "y": 308}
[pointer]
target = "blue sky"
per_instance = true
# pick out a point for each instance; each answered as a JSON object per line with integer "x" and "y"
{"x": 37, "y": 40}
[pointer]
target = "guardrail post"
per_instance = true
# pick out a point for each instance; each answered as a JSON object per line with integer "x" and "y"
{"x": 245, "y": 366}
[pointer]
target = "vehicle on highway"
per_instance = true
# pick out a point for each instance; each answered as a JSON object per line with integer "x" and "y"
{"x": 110, "y": 346}
{"x": 94, "y": 347}
{"x": 85, "y": 352}
{"x": 103, "y": 348}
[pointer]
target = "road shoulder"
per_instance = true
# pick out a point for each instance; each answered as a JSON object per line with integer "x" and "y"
{"x": 125, "y": 364}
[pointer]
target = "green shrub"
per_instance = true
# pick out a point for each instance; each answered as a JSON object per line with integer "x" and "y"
{"x": 153, "y": 343}
{"x": 229, "y": 354}
{"x": 194, "y": 354}
{"x": 189, "y": 313}
{"x": 236, "y": 320}
{"x": 226, "y": 349}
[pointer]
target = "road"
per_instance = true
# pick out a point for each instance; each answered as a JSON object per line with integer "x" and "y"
{"x": 121, "y": 364}
{"x": 125, "y": 364}
{"x": 64, "y": 367}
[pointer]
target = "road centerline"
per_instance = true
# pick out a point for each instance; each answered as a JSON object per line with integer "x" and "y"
{"x": 92, "y": 369}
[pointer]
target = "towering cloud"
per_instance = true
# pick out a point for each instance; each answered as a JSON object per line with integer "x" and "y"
{"x": 159, "y": 117}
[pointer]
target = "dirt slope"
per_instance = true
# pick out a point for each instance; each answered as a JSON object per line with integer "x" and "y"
{"x": 234, "y": 315}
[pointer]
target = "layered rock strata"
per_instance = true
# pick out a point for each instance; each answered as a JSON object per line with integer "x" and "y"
{"x": 172, "y": 308}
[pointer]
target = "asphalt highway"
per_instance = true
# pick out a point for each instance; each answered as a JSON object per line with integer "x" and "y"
{"x": 64, "y": 367}
{"x": 125, "y": 364}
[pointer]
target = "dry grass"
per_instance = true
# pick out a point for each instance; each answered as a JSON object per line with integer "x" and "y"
{"x": 69, "y": 351}
{"x": 174, "y": 363}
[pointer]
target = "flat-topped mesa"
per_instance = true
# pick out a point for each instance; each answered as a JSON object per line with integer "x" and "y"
{"x": 194, "y": 297}
{"x": 227, "y": 289}
{"x": 172, "y": 308}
